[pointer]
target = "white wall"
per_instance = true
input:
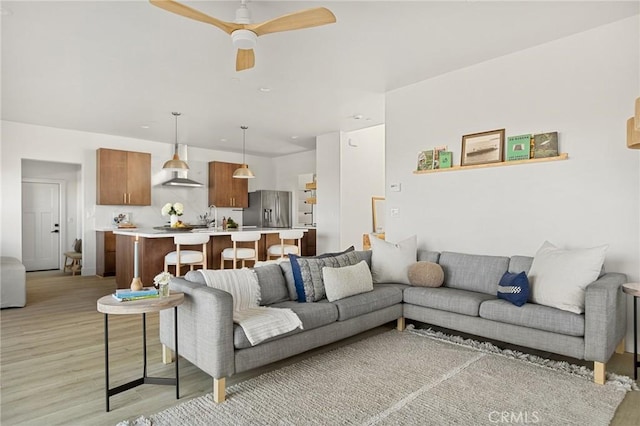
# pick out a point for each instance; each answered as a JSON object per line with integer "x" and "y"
{"x": 361, "y": 177}
{"x": 24, "y": 141}
{"x": 583, "y": 86}
{"x": 328, "y": 192}
{"x": 287, "y": 168}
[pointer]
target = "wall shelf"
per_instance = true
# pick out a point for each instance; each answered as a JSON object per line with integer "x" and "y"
{"x": 562, "y": 156}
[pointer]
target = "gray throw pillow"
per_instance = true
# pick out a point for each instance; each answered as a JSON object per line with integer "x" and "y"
{"x": 312, "y": 285}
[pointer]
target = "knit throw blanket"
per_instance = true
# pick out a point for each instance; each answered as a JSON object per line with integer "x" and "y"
{"x": 258, "y": 322}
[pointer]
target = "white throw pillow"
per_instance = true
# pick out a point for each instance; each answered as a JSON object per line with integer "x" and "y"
{"x": 559, "y": 277}
{"x": 346, "y": 281}
{"x": 390, "y": 262}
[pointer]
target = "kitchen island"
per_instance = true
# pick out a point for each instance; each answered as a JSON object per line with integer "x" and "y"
{"x": 154, "y": 244}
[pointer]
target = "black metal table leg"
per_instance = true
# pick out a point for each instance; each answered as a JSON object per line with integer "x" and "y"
{"x": 144, "y": 344}
{"x": 175, "y": 333}
{"x": 106, "y": 358}
{"x": 636, "y": 364}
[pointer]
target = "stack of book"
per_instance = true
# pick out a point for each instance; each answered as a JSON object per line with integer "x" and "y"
{"x": 123, "y": 295}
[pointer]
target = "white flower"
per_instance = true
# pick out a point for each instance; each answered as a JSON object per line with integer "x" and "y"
{"x": 170, "y": 209}
{"x": 162, "y": 278}
{"x": 166, "y": 209}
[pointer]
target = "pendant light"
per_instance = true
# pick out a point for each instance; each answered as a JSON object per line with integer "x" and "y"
{"x": 176, "y": 164}
{"x": 243, "y": 172}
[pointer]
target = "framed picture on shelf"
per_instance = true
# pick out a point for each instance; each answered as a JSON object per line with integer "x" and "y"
{"x": 482, "y": 148}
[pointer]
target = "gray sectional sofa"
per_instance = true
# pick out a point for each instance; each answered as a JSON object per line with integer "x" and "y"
{"x": 466, "y": 302}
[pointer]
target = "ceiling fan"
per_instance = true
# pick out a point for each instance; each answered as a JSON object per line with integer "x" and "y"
{"x": 244, "y": 33}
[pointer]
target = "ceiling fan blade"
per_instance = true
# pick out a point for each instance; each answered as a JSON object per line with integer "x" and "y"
{"x": 187, "y": 12}
{"x": 245, "y": 59}
{"x": 295, "y": 21}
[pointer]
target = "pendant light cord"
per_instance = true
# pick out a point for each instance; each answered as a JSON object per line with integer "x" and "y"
{"x": 176, "y": 115}
{"x": 244, "y": 141}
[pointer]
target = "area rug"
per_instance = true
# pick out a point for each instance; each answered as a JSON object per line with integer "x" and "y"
{"x": 407, "y": 378}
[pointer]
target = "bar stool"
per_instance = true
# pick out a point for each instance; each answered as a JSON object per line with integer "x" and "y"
{"x": 282, "y": 249}
{"x": 236, "y": 253}
{"x": 178, "y": 258}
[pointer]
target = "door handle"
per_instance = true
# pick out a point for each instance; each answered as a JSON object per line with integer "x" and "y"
{"x": 55, "y": 231}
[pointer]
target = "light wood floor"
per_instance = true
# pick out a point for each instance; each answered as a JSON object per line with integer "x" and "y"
{"x": 52, "y": 359}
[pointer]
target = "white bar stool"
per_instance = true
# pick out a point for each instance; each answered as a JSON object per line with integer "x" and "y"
{"x": 236, "y": 253}
{"x": 282, "y": 249}
{"x": 187, "y": 257}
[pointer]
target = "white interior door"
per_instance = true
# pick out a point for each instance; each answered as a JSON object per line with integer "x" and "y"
{"x": 40, "y": 226}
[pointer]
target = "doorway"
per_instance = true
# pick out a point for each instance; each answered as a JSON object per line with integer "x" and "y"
{"x": 42, "y": 246}
{"x": 41, "y": 201}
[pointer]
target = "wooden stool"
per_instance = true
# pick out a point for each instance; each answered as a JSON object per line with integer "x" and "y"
{"x": 74, "y": 266}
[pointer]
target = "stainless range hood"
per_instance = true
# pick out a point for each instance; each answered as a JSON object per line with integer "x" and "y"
{"x": 180, "y": 178}
{"x": 182, "y": 181}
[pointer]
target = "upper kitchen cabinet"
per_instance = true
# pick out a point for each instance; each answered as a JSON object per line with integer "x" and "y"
{"x": 224, "y": 190}
{"x": 124, "y": 177}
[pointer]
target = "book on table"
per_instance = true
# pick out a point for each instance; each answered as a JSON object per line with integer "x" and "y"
{"x": 127, "y": 294}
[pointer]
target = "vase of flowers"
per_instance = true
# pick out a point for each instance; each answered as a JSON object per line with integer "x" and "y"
{"x": 161, "y": 282}
{"x": 173, "y": 211}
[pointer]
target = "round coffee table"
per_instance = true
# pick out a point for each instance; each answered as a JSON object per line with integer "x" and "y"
{"x": 109, "y": 305}
{"x": 633, "y": 289}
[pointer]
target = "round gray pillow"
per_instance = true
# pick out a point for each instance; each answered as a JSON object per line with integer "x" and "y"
{"x": 426, "y": 274}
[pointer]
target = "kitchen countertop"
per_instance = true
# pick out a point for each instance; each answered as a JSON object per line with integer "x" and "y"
{"x": 161, "y": 233}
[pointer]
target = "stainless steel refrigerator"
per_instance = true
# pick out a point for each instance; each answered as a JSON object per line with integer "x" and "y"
{"x": 268, "y": 209}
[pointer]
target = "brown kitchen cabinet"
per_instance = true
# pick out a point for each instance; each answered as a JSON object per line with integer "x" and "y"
{"x": 224, "y": 190}
{"x": 105, "y": 253}
{"x": 123, "y": 177}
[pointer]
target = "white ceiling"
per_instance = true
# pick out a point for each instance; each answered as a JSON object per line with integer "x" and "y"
{"x": 115, "y": 66}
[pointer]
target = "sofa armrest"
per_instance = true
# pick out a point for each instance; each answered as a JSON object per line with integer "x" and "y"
{"x": 605, "y": 317}
{"x": 205, "y": 327}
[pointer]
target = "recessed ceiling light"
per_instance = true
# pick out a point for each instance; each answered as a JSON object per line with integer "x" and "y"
{"x": 358, "y": 116}
{"x": 144, "y": 126}
{"x": 223, "y": 140}
{"x": 265, "y": 89}
{"x": 294, "y": 137}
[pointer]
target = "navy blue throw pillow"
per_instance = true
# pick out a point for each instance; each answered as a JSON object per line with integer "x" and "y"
{"x": 514, "y": 288}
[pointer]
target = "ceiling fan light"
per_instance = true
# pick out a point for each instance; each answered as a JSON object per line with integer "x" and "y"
{"x": 243, "y": 172}
{"x": 244, "y": 39}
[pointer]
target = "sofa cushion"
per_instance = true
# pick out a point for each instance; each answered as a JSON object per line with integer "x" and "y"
{"x": 447, "y": 299}
{"x": 426, "y": 274}
{"x": 428, "y": 256}
{"x": 380, "y": 297}
{"x": 390, "y": 262}
{"x": 273, "y": 288}
{"x": 347, "y": 281}
{"x": 514, "y": 288}
{"x": 312, "y": 315}
{"x": 473, "y": 272}
{"x": 287, "y": 271}
{"x": 307, "y": 272}
{"x": 519, "y": 264}
{"x": 559, "y": 277}
{"x": 534, "y": 316}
